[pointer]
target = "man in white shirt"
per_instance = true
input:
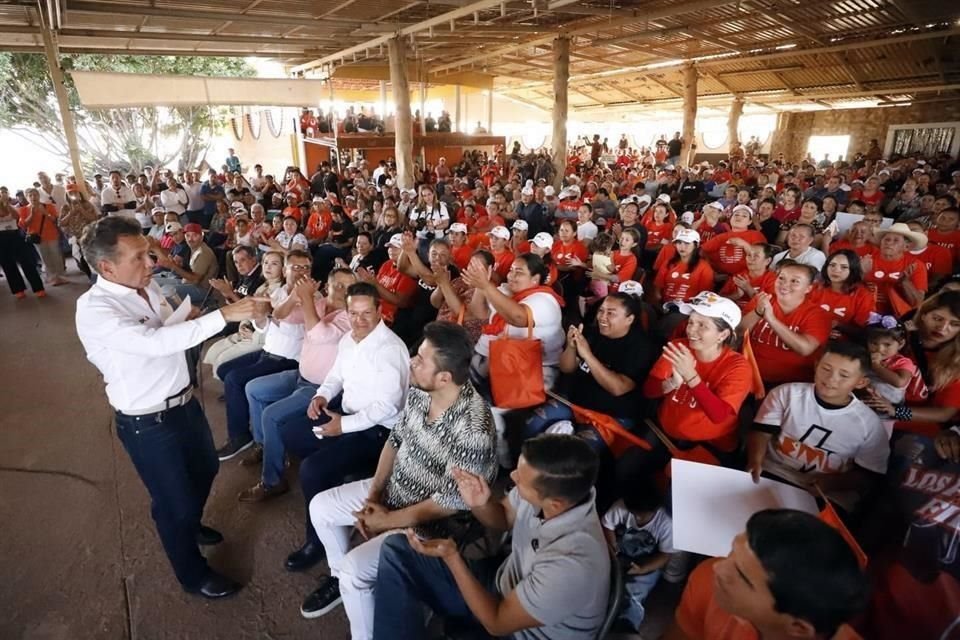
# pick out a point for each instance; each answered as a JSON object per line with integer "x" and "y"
{"x": 117, "y": 199}
{"x": 137, "y": 341}
{"x": 195, "y": 202}
{"x": 55, "y": 194}
{"x": 820, "y": 432}
{"x": 799, "y": 242}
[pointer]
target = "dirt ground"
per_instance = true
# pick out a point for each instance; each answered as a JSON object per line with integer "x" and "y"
{"x": 79, "y": 555}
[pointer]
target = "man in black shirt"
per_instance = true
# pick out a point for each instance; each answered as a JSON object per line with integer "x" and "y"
{"x": 692, "y": 191}
{"x": 674, "y": 147}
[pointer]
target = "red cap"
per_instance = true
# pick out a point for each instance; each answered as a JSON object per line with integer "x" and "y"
{"x": 193, "y": 227}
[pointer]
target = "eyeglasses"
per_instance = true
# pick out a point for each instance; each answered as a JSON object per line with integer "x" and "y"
{"x": 299, "y": 267}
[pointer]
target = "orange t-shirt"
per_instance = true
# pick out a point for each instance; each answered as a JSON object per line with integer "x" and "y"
{"x": 461, "y": 255}
{"x": 885, "y": 275}
{"x": 294, "y": 212}
{"x": 657, "y": 233}
{"x": 318, "y": 225}
{"x": 730, "y": 379}
{"x": 502, "y": 262}
{"x": 395, "y": 281}
{"x": 729, "y": 258}
{"x": 764, "y": 282}
{"x": 701, "y": 618}
{"x": 777, "y": 362}
{"x": 48, "y": 230}
{"x": 563, "y": 252}
{"x": 676, "y": 284}
{"x": 845, "y": 308}
{"x": 950, "y": 240}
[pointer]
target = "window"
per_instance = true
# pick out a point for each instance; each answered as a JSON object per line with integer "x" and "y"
{"x": 832, "y": 148}
{"x": 929, "y": 141}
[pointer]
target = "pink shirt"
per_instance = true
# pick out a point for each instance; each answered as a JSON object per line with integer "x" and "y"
{"x": 320, "y": 343}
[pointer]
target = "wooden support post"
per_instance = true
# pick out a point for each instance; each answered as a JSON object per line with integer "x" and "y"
{"x": 403, "y": 148}
{"x": 383, "y": 100}
{"x": 66, "y": 116}
{"x": 733, "y": 122}
{"x": 456, "y": 117}
{"x": 561, "y": 76}
{"x": 490, "y": 111}
{"x": 689, "y": 113}
{"x": 423, "y": 125}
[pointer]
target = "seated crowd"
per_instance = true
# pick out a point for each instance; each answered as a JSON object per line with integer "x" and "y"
{"x": 795, "y": 321}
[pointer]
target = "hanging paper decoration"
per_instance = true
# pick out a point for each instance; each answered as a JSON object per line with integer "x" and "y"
{"x": 237, "y": 131}
{"x": 275, "y": 131}
{"x": 255, "y": 130}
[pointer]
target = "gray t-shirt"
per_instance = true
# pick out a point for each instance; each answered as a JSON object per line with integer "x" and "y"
{"x": 560, "y": 569}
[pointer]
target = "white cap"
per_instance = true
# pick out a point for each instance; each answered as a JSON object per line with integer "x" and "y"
{"x": 396, "y": 240}
{"x": 713, "y": 205}
{"x": 526, "y": 191}
{"x": 645, "y": 199}
{"x": 882, "y": 171}
{"x": 686, "y": 235}
{"x": 921, "y": 162}
{"x": 712, "y": 305}
{"x": 499, "y": 231}
{"x": 743, "y": 207}
{"x": 458, "y": 227}
{"x": 669, "y": 167}
{"x": 238, "y": 206}
{"x": 157, "y": 210}
{"x": 520, "y": 225}
{"x": 686, "y": 217}
{"x": 543, "y": 240}
{"x": 664, "y": 198}
{"x": 549, "y": 191}
{"x": 172, "y": 227}
{"x": 631, "y": 288}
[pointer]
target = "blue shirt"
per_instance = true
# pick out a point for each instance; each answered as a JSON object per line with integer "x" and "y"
{"x": 210, "y": 206}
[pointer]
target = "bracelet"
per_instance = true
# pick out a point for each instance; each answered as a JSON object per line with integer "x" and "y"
{"x": 687, "y": 382}
{"x": 902, "y": 413}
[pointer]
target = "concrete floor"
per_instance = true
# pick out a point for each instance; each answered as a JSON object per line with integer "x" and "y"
{"x": 79, "y": 555}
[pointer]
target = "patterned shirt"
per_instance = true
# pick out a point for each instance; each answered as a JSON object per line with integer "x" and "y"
{"x": 463, "y": 436}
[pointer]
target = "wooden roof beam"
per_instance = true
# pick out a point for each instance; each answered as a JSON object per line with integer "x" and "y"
{"x": 110, "y": 8}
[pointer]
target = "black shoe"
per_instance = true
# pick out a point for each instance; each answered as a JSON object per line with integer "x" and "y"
{"x": 216, "y": 586}
{"x": 305, "y": 557}
{"x": 322, "y": 601}
{"x": 233, "y": 447}
{"x": 208, "y": 537}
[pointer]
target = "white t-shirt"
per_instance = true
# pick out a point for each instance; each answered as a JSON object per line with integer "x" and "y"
{"x": 174, "y": 200}
{"x": 547, "y": 328}
{"x": 194, "y": 197}
{"x": 814, "y": 440}
{"x": 436, "y": 215}
{"x": 659, "y": 531}
{"x": 296, "y": 241}
{"x": 813, "y": 257}
{"x": 57, "y": 195}
{"x": 586, "y": 231}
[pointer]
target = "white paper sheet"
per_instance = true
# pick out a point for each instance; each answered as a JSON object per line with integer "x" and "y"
{"x": 180, "y": 314}
{"x": 711, "y": 504}
{"x": 846, "y": 220}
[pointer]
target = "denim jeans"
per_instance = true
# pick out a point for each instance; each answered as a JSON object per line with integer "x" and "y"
{"x": 638, "y": 588}
{"x": 279, "y": 402}
{"x": 552, "y": 412}
{"x": 408, "y": 581}
{"x": 264, "y": 391}
{"x": 328, "y": 462}
{"x": 239, "y": 372}
{"x": 174, "y": 456}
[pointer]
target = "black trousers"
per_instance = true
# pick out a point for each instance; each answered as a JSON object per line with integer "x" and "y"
{"x": 16, "y": 256}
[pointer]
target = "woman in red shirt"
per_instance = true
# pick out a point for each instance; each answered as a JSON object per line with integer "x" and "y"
{"x": 842, "y": 293}
{"x": 659, "y": 231}
{"x": 897, "y": 278}
{"x": 787, "y": 329}
{"x": 701, "y": 383}
{"x": 40, "y": 220}
{"x": 871, "y": 195}
{"x": 570, "y": 256}
{"x": 789, "y": 210}
{"x": 395, "y": 287}
{"x": 685, "y": 275}
{"x": 857, "y": 240}
{"x": 727, "y": 252}
{"x": 460, "y": 251}
{"x": 757, "y": 277}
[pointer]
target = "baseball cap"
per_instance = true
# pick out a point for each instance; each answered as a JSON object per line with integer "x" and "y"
{"x": 631, "y": 288}
{"x": 543, "y": 240}
{"x": 157, "y": 210}
{"x": 526, "y": 191}
{"x": 645, "y": 199}
{"x": 745, "y": 208}
{"x": 396, "y": 240}
{"x": 686, "y": 217}
{"x": 499, "y": 231}
{"x": 549, "y": 191}
{"x": 664, "y": 198}
{"x": 172, "y": 227}
{"x": 192, "y": 227}
{"x": 238, "y": 206}
{"x": 520, "y": 225}
{"x": 458, "y": 227}
{"x": 714, "y": 205}
{"x": 712, "y": 305}
{"x": 686, "y": 235}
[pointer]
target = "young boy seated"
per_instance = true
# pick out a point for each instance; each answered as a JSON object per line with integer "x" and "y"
{"x": 641, "y": 532}
{"x": 789, "y": 575}
{"x": 806, "y": 433}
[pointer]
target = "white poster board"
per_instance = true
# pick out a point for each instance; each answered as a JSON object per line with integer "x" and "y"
{"x": 711, "y": 505}
{"x": 847, "y": 220}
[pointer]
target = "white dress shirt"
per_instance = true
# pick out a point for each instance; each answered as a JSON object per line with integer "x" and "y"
{"x": 174, "y": 200}
{"x": 283, "y": 338}
{"x": 142, "y": 361}
{"x": 118, "y": 198}
{"x": 373, "y": 375}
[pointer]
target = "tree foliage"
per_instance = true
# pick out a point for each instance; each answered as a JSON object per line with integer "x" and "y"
{"x": 126, "y": 139}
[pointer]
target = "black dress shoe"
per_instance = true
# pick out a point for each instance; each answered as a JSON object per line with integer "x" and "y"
{"x": 207, "y": 537}
{"x": 305, "y": 557}
{"x": 216, "y": 586}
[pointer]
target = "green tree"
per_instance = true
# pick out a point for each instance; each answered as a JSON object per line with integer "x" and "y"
{"x": 126, "y": 139}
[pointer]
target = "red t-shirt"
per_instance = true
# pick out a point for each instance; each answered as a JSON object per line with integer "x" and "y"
{"x": 938, "y": 260}
{"x": 294, "y": 212}
{"x": 781, "y": 214}
{"x": 846, "y": 308}
{"x": 866, "y": 250}
{"x": 777, "y": 362}
{"x": 563, "y": 252}
{"x": 461, "y": 255}
{"x": 729, "y": 258}
{"x": 885, "y": 274}
{"x": 949, "y": 240}
{"x": 502, "y": 262}
{"x": 872, "y": 199}
{"x": 946, "y": 396}
{"x": 730, "y": 379}
{"x": 395, "y": 281}
{"x": 657, "y": 233}
{"x": 676, "y": 284}
{"x": 625, "y": 266}
{"x": 318, "y": 225}
{"x": 764, "y": 282}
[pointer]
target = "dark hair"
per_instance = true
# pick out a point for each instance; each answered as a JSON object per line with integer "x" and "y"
{"x": 631, "y": 304}
{"x": 637, "y": 250}
{"x": 588, "y": 206}
{"x": 100, "y": 238}
{"x": 769, "y": 250}
{"x": 566, "y": 466}
{"x": 897, "y": 333}
{"x": 535, "y": 265}
{"x": 642, "y": 495}
{"x": 857, "y": 203}
{"x": 242, "y": 248}
{"x": 815, "y": 201}
{"x": 694, "y": 259}
{"x": 453, "y": 349}
{"x": 299, "y": 253}
{"x": 484, "y": 255}
{"x": 851, "y": 350}
{"x": 364, "y": 289}
{"x": 570, "y": 222}
{"x": 949, "y": 210}
{"x": 813, "y": 572}
{"x": 856, "y": 268}
{"x": 768, "y": 201}
{"x": 339, "y": 270}
{"x": 365, "y": 234}
{"x": 810, "y": 270}
{"x": 285, "y": 218}
{"x": 951, "y": 201}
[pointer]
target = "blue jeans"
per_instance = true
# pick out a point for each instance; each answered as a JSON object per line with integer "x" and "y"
{"x": 407, "y": 580}
{"x": 551, "y": 412}
{"x": 327, "y": 463}
{"x": 638, "y": 588}
{"x": 279, "y": 402}
{"x": 174, "y": 456}
{"x": 236, "y": 374}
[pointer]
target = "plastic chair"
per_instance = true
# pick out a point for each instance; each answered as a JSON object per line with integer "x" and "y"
{"x": 617, "y": 592}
